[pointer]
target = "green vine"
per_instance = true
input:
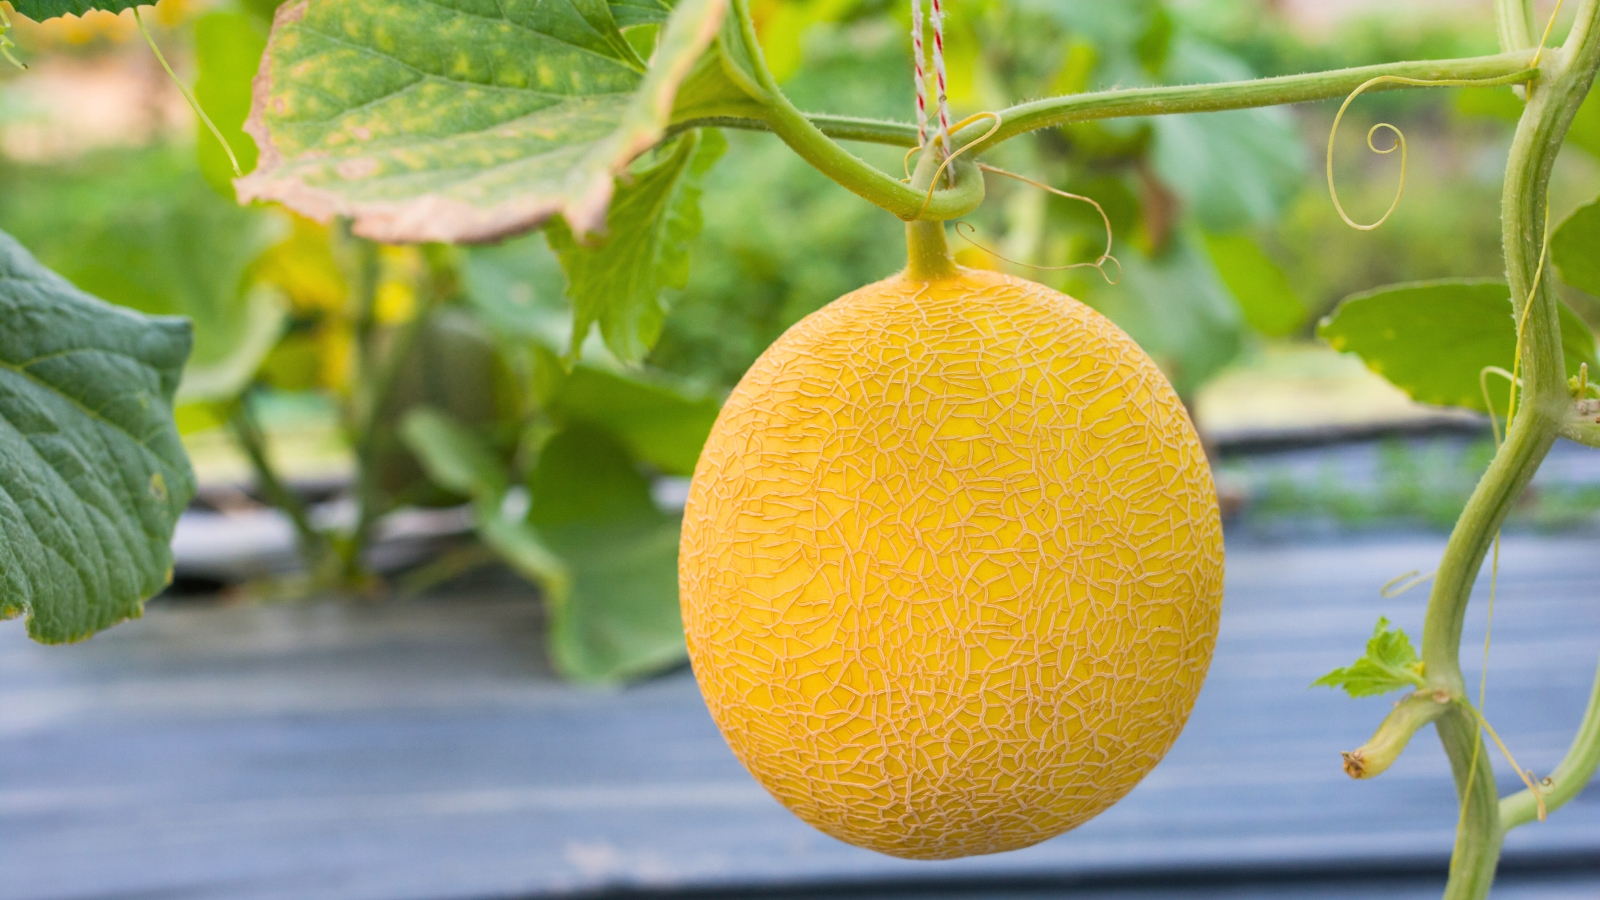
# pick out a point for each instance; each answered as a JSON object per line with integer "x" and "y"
{"x": 1566, "y": 75}
{"x": 814, "y": 137}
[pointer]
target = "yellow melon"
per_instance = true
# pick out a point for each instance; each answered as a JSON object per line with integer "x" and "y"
{"x": 951, "y": 567}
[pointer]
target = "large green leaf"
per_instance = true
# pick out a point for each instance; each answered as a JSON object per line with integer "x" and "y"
{"x": 659, "y": 425}
{"x": 1575, "y": 248}
{"x": 652, "y": 221}
{"x": 1432, "y": 339}
{"x": 458, "y": 460}
{"x": 227, "y": 53}
{"x": 1585, "y": 130}
{"x": 40, "y": 10}
{"x": 92, "y": 474}
{"x": 1232, "y": 169}
{"x": 1265, "y": 296}
{"x": 453, "y": 456}
{"x": 593, "y": 508}
{"x": 460, "y": 122}
{"x": 1177, "y": 309}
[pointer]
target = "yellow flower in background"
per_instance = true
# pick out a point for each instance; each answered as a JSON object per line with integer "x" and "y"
{"x": 396, "y": 299}
{"x": 319, "y": 352}
{"x": 302, "y": 266}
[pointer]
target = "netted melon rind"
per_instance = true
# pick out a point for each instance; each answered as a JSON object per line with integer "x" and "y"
{"x": 951, "y": 568}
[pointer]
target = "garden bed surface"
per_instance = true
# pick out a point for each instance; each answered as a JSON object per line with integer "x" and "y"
{"x": 421, "y": 749}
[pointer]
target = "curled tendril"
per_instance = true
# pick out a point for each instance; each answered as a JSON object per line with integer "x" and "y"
{"x": 6, "y": 43}
{"x": 1099, "y": 264}
{"x": 1399, "y": 144}
{"x": 1399, "y": 137}
{"x": 933, "y": 183}
{"x": 913, "y": 151}
{"x": 184, "y": 89}
{"x": 1399, "y": 584}
{"x": 1529, "y": 780}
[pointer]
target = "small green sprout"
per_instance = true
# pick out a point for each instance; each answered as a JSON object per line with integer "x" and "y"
{"x": 1389, "y": 664}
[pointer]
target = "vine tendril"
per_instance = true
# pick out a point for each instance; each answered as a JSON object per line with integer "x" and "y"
{"x": 1399, "y": 136}
{"x": 1483, "y": 386}
{"x": 933, "y": 184}
{"x": 1529, "y": 780}
{"x": 1527, "y": 306}
{"x": 1400, "y": 584}
{"x": 1534, "y": 64}
{"x": 187, "y": 95}
{"x": 1099, "y": 264}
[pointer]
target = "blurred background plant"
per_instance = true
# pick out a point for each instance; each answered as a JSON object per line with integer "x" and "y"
{"x": 343, "y": 382}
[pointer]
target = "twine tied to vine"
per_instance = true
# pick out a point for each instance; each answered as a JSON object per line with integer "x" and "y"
{"x": 919, "y": 56}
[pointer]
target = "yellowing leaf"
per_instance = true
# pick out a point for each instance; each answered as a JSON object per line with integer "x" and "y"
{"x": 460, "y": 122}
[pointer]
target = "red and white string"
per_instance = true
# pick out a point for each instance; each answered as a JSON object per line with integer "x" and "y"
{"x": 922, "y": 77}
{"x": 938, "y": 72}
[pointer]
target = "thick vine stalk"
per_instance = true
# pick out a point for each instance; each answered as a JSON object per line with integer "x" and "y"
{"x": 1566, "y": 75}
{"x": 1555, "y": 105}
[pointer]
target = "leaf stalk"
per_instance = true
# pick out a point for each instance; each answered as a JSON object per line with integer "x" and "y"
{"x": 1408, "y": 716}
{"x": 822, "y": 152}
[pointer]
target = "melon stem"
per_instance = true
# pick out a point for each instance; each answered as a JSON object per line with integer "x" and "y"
{"x": 927, "y": 252}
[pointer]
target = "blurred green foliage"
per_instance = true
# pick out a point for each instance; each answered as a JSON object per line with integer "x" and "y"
{"x": 1398, "y": 484}
{"x": 457, "y": 374}
{"x": 143, "y": 230}
{"x": 780, "y": 241}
